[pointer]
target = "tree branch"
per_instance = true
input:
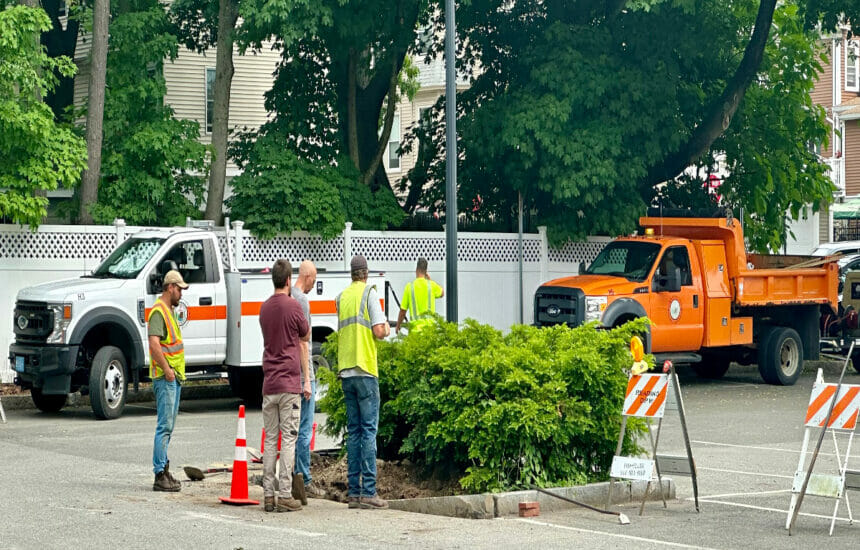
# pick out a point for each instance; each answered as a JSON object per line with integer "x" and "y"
{"x": 352, "y": 117}
{"x": 386, "y": 129}
{"x": 720, "y": 113}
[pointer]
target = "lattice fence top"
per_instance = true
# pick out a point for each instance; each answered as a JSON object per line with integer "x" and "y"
{"x": 52, "y": 245}
{"x": 295, "y": 249}
{"x": 408, "y": 249}
{"x": 576, "y": 252}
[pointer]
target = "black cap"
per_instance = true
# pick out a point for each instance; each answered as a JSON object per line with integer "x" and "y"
{"x": 357, "y": 263}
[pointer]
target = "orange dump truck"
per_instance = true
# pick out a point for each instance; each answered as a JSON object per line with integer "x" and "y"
{"x": 709, "y": 301}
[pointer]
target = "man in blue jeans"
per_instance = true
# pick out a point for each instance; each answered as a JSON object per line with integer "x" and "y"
{"x": 302, "y": 471}
{"x": 360, "y": 321}
{"x": 167, "y": 370}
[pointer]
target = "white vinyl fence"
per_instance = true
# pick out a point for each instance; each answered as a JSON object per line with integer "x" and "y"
{"x": 487, "y": 263}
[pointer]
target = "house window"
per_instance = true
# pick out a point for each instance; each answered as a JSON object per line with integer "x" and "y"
{"x": 852, "y": 66}
{"x": 210, "y": 98}
{"x": 394, "y": 145}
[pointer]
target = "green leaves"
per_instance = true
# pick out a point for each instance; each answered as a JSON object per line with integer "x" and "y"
{"x": 280, "y": 193}
{"x": 535, "y": 406}
{"x": 36, "y": 153}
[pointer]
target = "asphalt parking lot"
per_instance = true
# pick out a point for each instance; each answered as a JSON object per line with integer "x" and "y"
{"x": 69, "y": 480}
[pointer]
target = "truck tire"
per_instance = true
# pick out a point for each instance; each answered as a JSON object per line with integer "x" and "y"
{"x": 247, "y": 384}
{"x": 108, "y": 383}
{"x": 781, "y": 356}
{"x": 712, "y": 366}
{"x": 47, "y": 403}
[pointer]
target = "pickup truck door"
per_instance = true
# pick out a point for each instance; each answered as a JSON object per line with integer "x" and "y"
{"x": 677, "y": 316}
{"x": 199, "y": 310}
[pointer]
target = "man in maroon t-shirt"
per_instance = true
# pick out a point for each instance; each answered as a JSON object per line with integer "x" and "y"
{"x": 285, "y": 367}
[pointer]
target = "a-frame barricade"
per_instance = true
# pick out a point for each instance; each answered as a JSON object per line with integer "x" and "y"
{"x": 838, "y": 417}
{"x": 648, "y": 396}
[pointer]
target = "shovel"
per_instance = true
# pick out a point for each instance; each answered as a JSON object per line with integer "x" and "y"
{"x": 622, "y": 519}
{"x": 196, "y": 474}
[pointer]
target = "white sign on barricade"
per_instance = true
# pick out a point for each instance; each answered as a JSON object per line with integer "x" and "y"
{"x": 842, "y": 416}
{"x": 647, "y": 397}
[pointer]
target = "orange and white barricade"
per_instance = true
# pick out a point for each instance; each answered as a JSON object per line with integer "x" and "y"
{"x": 842, "y": 423}
{"x": 648, "y": 396}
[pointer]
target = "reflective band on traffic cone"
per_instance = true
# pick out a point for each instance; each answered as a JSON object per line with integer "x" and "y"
{"x": 239, "y": 484}
{"x": 313, "y": 436}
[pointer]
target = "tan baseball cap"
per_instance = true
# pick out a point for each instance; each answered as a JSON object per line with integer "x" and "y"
{"x": 174, "y": 277}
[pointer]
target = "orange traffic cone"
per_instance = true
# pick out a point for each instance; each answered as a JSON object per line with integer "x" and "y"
{"x": 313, "y": 436}
{"x": 239, "y": 484}
{"x": 256, "y": 460}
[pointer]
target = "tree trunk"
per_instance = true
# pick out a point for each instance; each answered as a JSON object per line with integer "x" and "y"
{"x": 351, "y": 107}
{"x": 95, "y": 109}
{"x": 718, "y": 117}
{"x": 228, "y": 13}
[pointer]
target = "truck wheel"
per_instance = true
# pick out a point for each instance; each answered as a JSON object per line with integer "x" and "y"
{"x": 781, "y": 356}
{"x": 47, "y": 403}
{"x": 712, "y": 367}
{"x": 108, "y": 383}
{"x": 247, "y": 384}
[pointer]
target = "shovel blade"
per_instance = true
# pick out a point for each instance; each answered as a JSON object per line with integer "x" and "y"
{"x": 194, "y": 474}
{"x": 623, "y": 519}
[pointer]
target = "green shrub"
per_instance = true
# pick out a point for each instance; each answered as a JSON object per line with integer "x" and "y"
{"x": 536, "y": 406}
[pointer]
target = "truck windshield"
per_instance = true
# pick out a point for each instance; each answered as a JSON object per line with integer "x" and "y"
{"x": 128, "y": 259}
{"x": 629, "y": 259}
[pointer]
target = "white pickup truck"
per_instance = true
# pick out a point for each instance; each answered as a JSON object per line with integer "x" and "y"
{"x": 89, "y": 334}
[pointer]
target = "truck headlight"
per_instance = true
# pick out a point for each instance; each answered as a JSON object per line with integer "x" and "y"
{"x": 62, "y": 320}
{"x": 594, "y": 307}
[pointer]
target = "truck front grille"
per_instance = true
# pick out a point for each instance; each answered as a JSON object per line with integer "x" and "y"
{"x": 39, "y": 322}
{"x": 557, "y": 305}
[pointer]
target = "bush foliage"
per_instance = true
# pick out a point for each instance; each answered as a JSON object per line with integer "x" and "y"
{"x": 536, "y": 406}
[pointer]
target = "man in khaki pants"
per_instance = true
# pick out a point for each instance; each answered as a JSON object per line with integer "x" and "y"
{"x": 285, "y": 366}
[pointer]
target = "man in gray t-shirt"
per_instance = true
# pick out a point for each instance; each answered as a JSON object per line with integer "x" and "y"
{"x": 305, "y": 487}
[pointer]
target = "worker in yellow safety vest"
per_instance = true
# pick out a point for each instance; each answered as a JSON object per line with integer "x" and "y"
{"x": 167, "y": 370}
{"x": 419, "y": 299}
{"x": 360, "y": 320}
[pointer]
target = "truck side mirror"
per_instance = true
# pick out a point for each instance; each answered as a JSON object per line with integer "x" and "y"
{"x": 582, "y": 268}
{"x": 168, "y": 265}
{"x": 155, "y": 283}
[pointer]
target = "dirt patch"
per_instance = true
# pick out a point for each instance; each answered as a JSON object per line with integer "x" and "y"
{"x": 12, "y": 389}
{"x": 394, "y": 479}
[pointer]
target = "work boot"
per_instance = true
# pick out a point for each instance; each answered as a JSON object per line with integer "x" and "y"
{"x": 298, "y": 490}
{"x": 173, "y": 480}
{"x": 288, "y": 505}
{"x": 353, "y": 502}
{"x": 312, "y": 490}
{"x": 269, "y": 503}
{"x": 373, "y": 503}
{"x": 163, "y": 483}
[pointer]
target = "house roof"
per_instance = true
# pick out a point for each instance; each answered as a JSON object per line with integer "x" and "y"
{"x": 850, "y": 110}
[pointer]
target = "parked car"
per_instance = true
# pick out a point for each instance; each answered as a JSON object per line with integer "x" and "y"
{"x": 843, "y": 248}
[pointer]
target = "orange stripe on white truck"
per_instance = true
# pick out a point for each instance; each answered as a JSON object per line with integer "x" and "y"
{"x": 318, "y": 307}
{"x": 200, "y": 313}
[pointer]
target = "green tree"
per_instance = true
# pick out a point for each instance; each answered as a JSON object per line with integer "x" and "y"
{"x": 201, "y": 25}
{"x": 36, "y": 153}
{"x": 153, "y": 166}
{"x": 580, "y": 108}
{"x": 339, "y": 74}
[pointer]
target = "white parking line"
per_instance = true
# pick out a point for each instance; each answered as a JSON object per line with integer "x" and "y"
{"x": 743, "y": 473}
{"x": 726, "y": 495}
{"x": 767, "y": 509}
{"x": 615, "y": 535}
{"x": 795, "y": 451}
{"x": 224, "y": 518}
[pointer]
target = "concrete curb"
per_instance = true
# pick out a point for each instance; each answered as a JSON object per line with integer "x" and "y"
{"x": 489, "y": 505}
{"x": 207, "y": 391}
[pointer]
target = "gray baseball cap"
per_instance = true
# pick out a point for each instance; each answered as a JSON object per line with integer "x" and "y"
{"x": 357, "y": 263}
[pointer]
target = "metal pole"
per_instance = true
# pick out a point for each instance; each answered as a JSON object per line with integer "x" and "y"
{"x": 520, "y": 252}
{"x": 450, "y": 163}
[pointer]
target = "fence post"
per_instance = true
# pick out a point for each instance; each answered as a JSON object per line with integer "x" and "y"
{"x": 347, "y": 245}
{"x": 544, "y": 254}
{"x": 119, "y": 224}
{"x": 237, "y": 245}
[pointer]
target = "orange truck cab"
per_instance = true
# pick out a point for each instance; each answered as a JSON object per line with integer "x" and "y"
{"x": 709, "y": 301}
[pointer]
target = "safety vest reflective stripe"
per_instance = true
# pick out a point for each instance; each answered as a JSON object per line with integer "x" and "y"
{"x": 171, "y": 345}
{"x": 362, "y": 309}
{"x": 413, "y": 305}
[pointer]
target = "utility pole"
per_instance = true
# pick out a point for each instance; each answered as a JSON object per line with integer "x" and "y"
{"x": 450, "y": 164}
